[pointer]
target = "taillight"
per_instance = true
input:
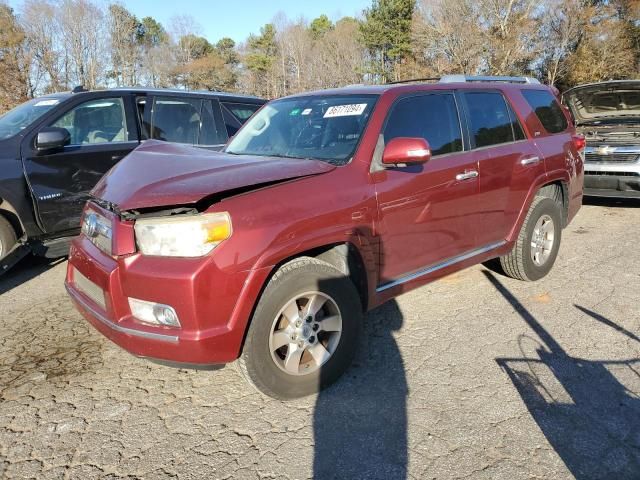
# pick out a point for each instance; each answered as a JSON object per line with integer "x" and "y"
{"x": 579, "y": 142}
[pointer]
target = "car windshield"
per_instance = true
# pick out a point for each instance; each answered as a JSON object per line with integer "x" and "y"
{"x": 323, "y": 127}
{"x": 16, "y": 120}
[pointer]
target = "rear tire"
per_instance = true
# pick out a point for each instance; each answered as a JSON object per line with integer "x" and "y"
{"x": 285, "y": 351}
{"x": 536, "y": 248}
{"x": 8, "y": 237}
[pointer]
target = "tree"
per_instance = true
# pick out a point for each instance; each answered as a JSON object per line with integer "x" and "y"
{"x": 605, "y": 51}
{"x": 126, "y": 34}
{"x": 83, "y": 36}
{"x": 386, "y": 33}
{"x": 320, "y": 26}
{"x": 158, "y": 60}
{"x": 226, "y": 48}
{"x": 444, "y": 41}
{"x": 14, "y": 79}
{"x": 42, "y": 34}
{"x": 262, "y": 51}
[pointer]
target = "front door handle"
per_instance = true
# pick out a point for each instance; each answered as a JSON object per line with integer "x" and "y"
{"x": 530, "y": 160}
{"x": 469, "y": 174}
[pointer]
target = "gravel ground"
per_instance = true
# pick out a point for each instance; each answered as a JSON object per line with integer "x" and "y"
{"x": 475, "y": 376}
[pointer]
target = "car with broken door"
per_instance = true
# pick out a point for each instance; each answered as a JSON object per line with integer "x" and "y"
{"x": 323, "y": 206}
{"x": 608, "y": 115}
{"x": 55, "y": 149}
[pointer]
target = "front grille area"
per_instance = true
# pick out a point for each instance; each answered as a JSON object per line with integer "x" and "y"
{"x": 612, "y": 158}
{"x": 613, "y": 174}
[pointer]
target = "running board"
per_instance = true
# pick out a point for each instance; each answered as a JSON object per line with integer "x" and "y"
{"x": 56, "y": 248}
{"x": 438, "y": 266}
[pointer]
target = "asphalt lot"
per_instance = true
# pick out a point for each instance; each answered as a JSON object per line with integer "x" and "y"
{"x": 475, "y": 376}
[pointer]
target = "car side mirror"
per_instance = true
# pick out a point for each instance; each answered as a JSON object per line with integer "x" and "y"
{"x": 52, "y": 138}
{"x": 407, "y": 151}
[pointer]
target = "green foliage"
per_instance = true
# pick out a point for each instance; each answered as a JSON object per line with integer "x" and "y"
{"x": 196, "y": 46}
{"x": 386, "y": 33}
{"x": 320, "y": 26}
{"x": 262, "y": 50}
{"x": 226, "y": 48}
{"x": 153, "y": 33}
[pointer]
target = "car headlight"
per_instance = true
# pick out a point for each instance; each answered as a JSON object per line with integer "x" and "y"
{"x": 182, "y": 236}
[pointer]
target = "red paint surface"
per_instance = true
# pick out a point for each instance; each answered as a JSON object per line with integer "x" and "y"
{"x": 399, "y": 220}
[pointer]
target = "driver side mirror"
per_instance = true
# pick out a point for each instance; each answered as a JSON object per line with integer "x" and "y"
{"x": 407, "y": 151}
{"x": 50, "y": 139}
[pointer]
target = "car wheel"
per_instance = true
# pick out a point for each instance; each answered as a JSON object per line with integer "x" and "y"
{"x": 7, "y": 237}
{"x": 304, "y": 330}
{"x": 536, "y": 248}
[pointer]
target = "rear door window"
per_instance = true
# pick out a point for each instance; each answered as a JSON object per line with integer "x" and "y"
{"x": 212, "y": 131}
{"x": 176, "y": 119}
{"x": 432, "y": 117}
{"x": 547, "y": 109}
{"x": 490, "y": 121}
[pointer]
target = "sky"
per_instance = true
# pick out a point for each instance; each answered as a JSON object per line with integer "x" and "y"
{"x": 236, "y": 19}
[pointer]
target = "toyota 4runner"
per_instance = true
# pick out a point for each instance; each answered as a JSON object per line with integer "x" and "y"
{"x": 323, "y": 206}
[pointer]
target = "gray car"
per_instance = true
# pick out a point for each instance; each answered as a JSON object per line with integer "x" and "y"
{"x": 608, "y": 115}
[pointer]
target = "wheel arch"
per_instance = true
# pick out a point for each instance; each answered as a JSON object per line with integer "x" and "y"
{"x": 8, "y": 211}
{"x": 534, "y": 191}
{"x": 344, "y": 256}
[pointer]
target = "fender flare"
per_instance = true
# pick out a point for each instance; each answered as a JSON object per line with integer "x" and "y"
{"x": 541, "y": 181}
{"x": 11, "y": 214}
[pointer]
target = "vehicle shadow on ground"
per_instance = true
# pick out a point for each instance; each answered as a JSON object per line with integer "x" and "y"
{"x": 590, "y": 418}
{"x": 27, "y": 269}
{"x": 360, "y": 423}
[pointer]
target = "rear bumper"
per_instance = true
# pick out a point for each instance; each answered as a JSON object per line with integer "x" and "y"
{"x": 213, "y": 304}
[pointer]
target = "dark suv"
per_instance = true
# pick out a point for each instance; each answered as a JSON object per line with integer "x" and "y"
{"x": 323, "y": 206}
{"x": 56, "y": 148}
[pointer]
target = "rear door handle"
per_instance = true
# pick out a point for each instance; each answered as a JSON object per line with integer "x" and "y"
{"x": 530, "y": 160}
{"x": 469, "y": 174}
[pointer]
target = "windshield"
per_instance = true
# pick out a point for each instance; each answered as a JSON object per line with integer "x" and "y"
{"x": 14, "y": 121}
{"x": 322, "y": 128}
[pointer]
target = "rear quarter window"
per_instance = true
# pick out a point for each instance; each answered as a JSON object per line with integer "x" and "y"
{"x": 547, "y": 109}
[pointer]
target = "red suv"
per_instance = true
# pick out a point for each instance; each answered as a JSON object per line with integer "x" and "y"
{"x": 323, "y": 206}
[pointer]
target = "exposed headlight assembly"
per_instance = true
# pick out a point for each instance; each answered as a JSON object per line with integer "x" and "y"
{"x": 182, "y": 236}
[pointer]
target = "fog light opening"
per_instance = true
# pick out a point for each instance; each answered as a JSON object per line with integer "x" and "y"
{"x": 154, "y": 313}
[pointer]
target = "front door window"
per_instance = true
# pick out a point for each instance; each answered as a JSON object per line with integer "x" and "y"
{"x": 95, "y": 121}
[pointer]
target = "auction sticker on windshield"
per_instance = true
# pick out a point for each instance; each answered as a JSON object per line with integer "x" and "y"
{"x": 345, "y": 110}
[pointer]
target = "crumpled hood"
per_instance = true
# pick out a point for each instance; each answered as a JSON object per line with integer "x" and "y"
{"x": 159, "y": 174}
{"x": 604, "y": 100}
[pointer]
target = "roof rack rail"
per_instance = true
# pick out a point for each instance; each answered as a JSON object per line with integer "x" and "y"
{"x": 486, "y": 78}
{"x": 411, "y": 80}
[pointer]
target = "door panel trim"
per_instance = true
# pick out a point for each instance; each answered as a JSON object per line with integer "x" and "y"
{"x": 439, "y": 266}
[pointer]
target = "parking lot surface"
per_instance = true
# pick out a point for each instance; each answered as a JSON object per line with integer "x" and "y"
{"x": 475, "y": 376}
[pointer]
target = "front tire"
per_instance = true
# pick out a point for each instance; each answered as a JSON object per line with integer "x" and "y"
{"x": 304, "y": 331}
{"x": 536, "y": 248}
{"x": 8, "y": 237}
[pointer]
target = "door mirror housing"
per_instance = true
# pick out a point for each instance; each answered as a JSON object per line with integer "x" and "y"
{"x": 407, "y": 151}
{"x": 50, "y": 139}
